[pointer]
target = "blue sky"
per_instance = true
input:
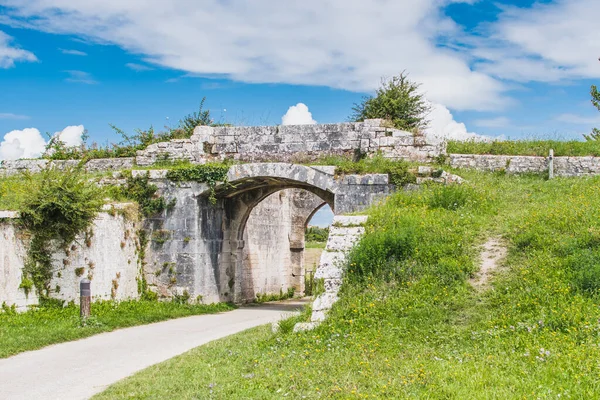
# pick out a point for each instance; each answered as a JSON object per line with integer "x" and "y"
{"x": 511, "y": 68}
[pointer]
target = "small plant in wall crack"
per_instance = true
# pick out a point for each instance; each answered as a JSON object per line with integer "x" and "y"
{"x": 161, "y": 236}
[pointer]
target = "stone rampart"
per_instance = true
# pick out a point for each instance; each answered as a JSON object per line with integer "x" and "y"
{"x": 293, "y": 143}
{"x": 108, "y": 257}
{"x": 563, "y": 166}
{"x": 14, "y": 167}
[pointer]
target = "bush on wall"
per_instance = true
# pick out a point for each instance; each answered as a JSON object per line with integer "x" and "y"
{"x": 59, "y": 205}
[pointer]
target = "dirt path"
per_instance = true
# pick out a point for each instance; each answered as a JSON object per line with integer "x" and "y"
{"x": 492, "y": 254}
{"x": 79, "y": 369}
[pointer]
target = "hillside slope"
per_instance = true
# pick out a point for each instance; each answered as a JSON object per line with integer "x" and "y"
{"x": 409, "y": 323}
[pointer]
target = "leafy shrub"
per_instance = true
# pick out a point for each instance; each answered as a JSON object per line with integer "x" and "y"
{"x": 60, "y": 205}
{"x": 397, "y": 100}
{"x": 181, "y": 298}
{"x": 141, "y": 191}
{"x": 595, "y": 135}
{"x": 191, "y": 121}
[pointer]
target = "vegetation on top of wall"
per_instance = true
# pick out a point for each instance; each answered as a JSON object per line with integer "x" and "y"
{"x": 129, "y": 143}
{"x": 525, "y": 147}
{"x": 211, "y": 173}
{"x": 59, "y": 205}
{"x": 12, "y": 191}
{"x": 397, "y": 100}
{"x": 140, "y": 190}
{"x": 399, "y": 171}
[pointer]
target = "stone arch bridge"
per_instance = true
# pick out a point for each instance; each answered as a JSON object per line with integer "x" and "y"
{"x": 251, "y": 241}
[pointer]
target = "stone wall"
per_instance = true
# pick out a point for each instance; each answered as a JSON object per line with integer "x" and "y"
{"x": 199, "y": 248}
{"x": 109, "y": 258}
{"x": 13, "y": 167}
{"x": 344, "y": 233}
{"x": 563, "y": 166}
{"x": 294, "y": 143}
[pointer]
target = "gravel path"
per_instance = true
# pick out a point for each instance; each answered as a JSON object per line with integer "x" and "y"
{"x": 80, "y": 369}
{"x": 492, "y": 254}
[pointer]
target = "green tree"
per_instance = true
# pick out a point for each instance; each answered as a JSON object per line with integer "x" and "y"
{"x": 595, "y": 135}
{"x": 397, "y": 100}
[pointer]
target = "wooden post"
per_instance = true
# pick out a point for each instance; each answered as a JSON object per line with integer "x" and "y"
{"x": 85, "y": 298}
{"x": 551, "y": 165}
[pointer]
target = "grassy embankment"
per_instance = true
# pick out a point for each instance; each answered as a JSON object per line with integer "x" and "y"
{"x": 409, "y": 325}
{"x": 530, "y": 147}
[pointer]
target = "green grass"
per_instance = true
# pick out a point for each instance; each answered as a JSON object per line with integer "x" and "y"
{"x": 408, "y": 324}
{"x": 12, "y": 191}
{"x": 44, "y": 326}
{"x": 398, "y": 170}
{"x": 315, "y": 245}
{"x": 526, "y": 147}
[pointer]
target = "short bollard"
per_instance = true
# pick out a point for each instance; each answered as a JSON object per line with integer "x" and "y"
{"x": 551, "y": 165}
{"x": 85, "y": 298}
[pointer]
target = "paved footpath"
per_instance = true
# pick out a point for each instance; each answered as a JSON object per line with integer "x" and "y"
{"x": 80, "y": 369}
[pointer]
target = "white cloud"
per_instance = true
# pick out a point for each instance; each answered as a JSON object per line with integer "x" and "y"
{"x": 348, "y": 44}
{"x": 29, "y": 143}
{"x": 442, "y": 126}
{"x": 26, "y": 143}
{"x": 298, "y": 115}
{"x": 498, "y": 122}
{"x": 547, "y": 42}
{"x": 13, "y": 116}
{"x": 71, "y": 135}
{"x": 10, "y": 54}
{"x": 80, "y": 77}
{"x": 73, "y": 52}
{"x": 578, "y": 119}
{"x": 138, "y": 67}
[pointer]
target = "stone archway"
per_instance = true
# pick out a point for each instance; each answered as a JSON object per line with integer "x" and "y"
{"x": 273, "y": 253}
{"x": 247, "y": 186}
{"x": 196, "y": 248}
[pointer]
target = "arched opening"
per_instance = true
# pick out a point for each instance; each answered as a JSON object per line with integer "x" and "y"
{"x": 274, "y": 255}
{"x": 267, "y": 258}
{"x": 315, "y": 239}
